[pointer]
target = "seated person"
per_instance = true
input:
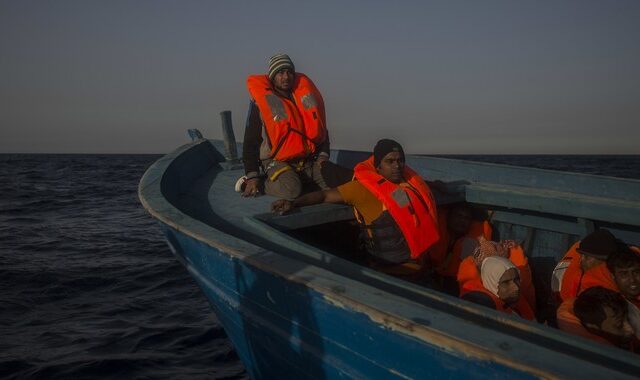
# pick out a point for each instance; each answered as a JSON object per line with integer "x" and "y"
{"x": 621, "y": 273}
{"x": 497, "y": 275}
{"x": 598, "y": 314}
{"x": 394, "y": 206}
{"x": 624, "y": 267}
{"x": 593, "y": 250}
{"x": 455, "y": 223}
{"x": 288, "y": 142}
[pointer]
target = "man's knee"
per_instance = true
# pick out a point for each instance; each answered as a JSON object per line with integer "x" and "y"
{"x": 287, "y": 186}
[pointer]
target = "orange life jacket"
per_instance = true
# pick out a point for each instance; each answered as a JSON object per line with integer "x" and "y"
{"x": 568, "y": 275}
{"x": 574, "y": 280}
{"x": 470, "y": 280}
{"x": 598, "y": 276}
{"x": 568, "y": 322}
{"x": 601, "y": 276}
{"x": 294, "y": 126}
{"x": 445, "y": 256}
{"x": 410, "y": 204}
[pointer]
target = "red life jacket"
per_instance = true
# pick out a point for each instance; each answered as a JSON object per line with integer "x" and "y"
{"x": 410, "y": 204}
{"x": 293, "y": 127}
{"x": 470, "y": 280}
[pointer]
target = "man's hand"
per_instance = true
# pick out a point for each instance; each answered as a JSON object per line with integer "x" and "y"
{"x": 321, "y": 158}
{"x": 251, "y": 188}
{"x": 281, "y": 206}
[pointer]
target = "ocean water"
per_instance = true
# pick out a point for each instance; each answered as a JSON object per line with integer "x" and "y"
{"x": 89, "y": 288}
{"x": 622, "y": 166}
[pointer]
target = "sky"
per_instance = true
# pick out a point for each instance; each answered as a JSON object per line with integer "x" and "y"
{"x": 440, "y": 77}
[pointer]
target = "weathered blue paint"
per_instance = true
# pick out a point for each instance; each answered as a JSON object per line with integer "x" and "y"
{"x": 293, "y": 311}
{"x": 283, "y": 329}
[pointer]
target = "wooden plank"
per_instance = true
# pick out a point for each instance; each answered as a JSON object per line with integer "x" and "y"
{"x": 540, "y": 222}
{"x": 555, "y": 202}
{"x": 308, "y": 216}
{"x": 585, "y": 184}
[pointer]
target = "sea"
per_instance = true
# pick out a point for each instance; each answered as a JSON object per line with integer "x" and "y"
{"x": 89, "y": 288}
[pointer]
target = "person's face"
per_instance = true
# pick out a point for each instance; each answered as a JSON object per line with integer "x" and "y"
{"x": 628, "y": 281}
{"x": 391, "y": 167}
{"x": 615, "y": 327}
{"x": 509, "y": 286}
{"x": 283, "y": 80}
{"x": 587, "y": 262}
{"x": 459, "y": 220}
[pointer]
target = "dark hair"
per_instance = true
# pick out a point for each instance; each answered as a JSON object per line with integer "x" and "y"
{"x": 590, "y": 304}
{"x": 624, "y": 257}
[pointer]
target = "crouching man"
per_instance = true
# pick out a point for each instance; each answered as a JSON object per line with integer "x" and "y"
{"x": 601, "y": 315}
{"x": 393, "y": 205}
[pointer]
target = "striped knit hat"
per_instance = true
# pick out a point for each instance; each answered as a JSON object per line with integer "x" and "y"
{"x": 279, "y": 62}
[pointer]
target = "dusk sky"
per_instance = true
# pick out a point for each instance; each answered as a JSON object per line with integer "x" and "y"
{"x": 444, "y": 77}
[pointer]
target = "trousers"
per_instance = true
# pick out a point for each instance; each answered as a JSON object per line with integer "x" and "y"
{"x": 288, "y": 180}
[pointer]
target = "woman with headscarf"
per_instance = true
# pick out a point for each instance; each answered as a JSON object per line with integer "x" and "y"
{"x": 497, "y": 275}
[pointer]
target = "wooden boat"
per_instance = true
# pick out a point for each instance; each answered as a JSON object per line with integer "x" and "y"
{"x": 296, "y": 305}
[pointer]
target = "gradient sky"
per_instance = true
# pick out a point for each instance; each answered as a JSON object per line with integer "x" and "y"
{"x": 440, "y": 77}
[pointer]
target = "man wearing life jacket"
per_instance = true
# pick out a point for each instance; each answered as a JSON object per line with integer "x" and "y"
{"x": 455, "y": 223}
{"x": 593, "y": 250}
{"x": 286, "y": 136}
{"x": 621, "y": 273}
{"x": 395, "y": 208}
{"x": 598, "y": 314}
{"x": 497, "y": 275}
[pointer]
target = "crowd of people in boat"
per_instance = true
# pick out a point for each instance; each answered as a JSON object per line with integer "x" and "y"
{"x": 595, "y": 286}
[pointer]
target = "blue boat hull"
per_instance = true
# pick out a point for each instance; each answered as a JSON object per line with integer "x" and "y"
{"x": 282, "y": 329}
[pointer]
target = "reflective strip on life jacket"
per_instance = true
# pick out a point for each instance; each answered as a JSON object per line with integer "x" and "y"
{"x": 293, "y": 126}
{"x": 567, "y": 276}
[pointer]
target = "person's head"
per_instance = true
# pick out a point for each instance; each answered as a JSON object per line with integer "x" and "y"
{"x": 501, "y": 277}
{"x": 624, "y": 266}
{"x": 595, "y": 248}
{"x": 487, "y": 248}
{"x": 388, "y": 159}
{"x": 282, "y": 72}
{"x": 604, "y": 312}
{"x": 459, "y": 219}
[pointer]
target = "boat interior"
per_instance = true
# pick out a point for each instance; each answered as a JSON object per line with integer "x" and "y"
{"x": 191, "y": 191}
{"x": 543, "y": 219}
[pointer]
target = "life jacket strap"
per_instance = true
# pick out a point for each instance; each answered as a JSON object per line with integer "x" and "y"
{"x": 275, "y": 175}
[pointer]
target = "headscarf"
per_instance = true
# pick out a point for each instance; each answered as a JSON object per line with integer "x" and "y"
{"x": 488, "y": 248}
{"x": 491, "y": 271}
